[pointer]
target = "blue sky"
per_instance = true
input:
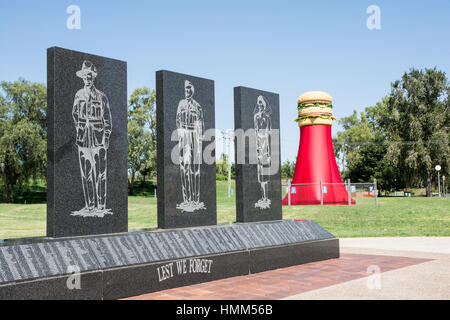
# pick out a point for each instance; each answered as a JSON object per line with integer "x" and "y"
{"x": 287, "y": 47}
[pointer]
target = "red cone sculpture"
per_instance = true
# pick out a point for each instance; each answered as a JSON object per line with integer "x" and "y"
{"x": 315, "y": 159}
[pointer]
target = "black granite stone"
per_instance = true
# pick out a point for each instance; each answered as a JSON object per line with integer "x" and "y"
{"x": 53, "y": 258}
{"x": 31, "y": 261}
{"x": 257, "y": 155}
{"x": 87, "y": 144}
{"x": 129, "y": 262}
{"x": 269, "y": 258}
{"x": 152, "y": 277}
{"x": 186, "y": 182}
{"x": 55, "y": 288}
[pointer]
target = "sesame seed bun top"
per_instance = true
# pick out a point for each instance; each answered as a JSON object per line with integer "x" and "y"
{"x": 314, "y": 97}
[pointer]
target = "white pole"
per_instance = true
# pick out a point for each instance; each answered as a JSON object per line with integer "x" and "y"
{"x": 439, "y": 185}
{"x": 443, "y": 186}
{"x": 321, "y": 192}
{"x": 349, "y": 193}
{"x": 229, "y": 162}
{"x": 224, "y": 141}
{"x": 375, "y": 191}
{"x": 289, "y": 192}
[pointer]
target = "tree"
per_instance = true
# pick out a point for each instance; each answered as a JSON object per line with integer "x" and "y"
{"x": 363, "y": 145}
{"x": 222, "y": 165}
{"x": 416, "y": 122}
{"x": 287, "y": 169}
{"x": 233, "y": 171}
{"x": 357, "y": 132}
{"x": 370, "y": 163}
{"x": 141, "y": 134}
{"x": 23, "y": 134}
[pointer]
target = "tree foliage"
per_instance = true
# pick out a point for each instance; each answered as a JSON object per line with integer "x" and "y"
{"x": 357, "y": 132}
{"x": 23, "y": 134}
{"x": 287, "y": 169}
{"x": 416, "y": 121}
{"x": 222, "y": 168}
{"x": 400, "y": 139}
{"x": 222, "y": 165}
{"x": 141, "y": 135}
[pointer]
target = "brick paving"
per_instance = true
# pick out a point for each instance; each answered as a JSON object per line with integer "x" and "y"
{"x": 281, "y": 283}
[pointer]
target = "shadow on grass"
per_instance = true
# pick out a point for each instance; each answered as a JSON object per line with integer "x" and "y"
{"x": 144, "y": 189}
{"x": 38, "y": 193}
{"x": 30, "y": 194}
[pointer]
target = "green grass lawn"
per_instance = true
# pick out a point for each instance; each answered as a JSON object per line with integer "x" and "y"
{"x": 392, "y": 217}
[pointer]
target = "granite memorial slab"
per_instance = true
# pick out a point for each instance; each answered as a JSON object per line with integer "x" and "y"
{"x": 269, "y": 258}
{"x": 176, "y": 273}
{"x": 257, "y": 155}
{"x": 89, "y": 287}
{"x": 128, "y": 264}
{"x": 87, "y": 144}
{"x": 186, "y": 167}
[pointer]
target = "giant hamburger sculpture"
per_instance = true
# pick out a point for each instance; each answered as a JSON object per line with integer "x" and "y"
{"x": 315, "y": 107}
{"x": 315, "y": 159}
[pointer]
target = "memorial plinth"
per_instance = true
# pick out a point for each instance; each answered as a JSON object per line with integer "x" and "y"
{"x": 123, "y": 265}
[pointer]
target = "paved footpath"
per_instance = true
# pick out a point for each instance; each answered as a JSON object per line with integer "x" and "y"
{"x": 427, "y": 280}
{"x": 369, "y": 268}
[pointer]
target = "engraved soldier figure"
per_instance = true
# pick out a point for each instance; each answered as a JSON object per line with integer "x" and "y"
{"x": 190, "y": 124}
{"x": 92, "y": 118}
{"x": 263, "y": 127}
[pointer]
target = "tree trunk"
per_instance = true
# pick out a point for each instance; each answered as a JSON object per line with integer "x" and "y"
{"x": 10, "y": 180}
{"x": 133, "y": 173}
{"x": 429, "y": 186}
{"x": 9, "y": 193}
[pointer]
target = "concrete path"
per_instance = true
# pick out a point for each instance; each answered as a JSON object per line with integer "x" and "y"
{"x": 420, "y": 244}
{"x": 427, "y": 280}
{"x": 369, "y": 268}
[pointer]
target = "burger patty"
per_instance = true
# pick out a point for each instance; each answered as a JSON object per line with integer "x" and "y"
{"x": 316, "y": 101}
{"x": 316, "y": 114}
